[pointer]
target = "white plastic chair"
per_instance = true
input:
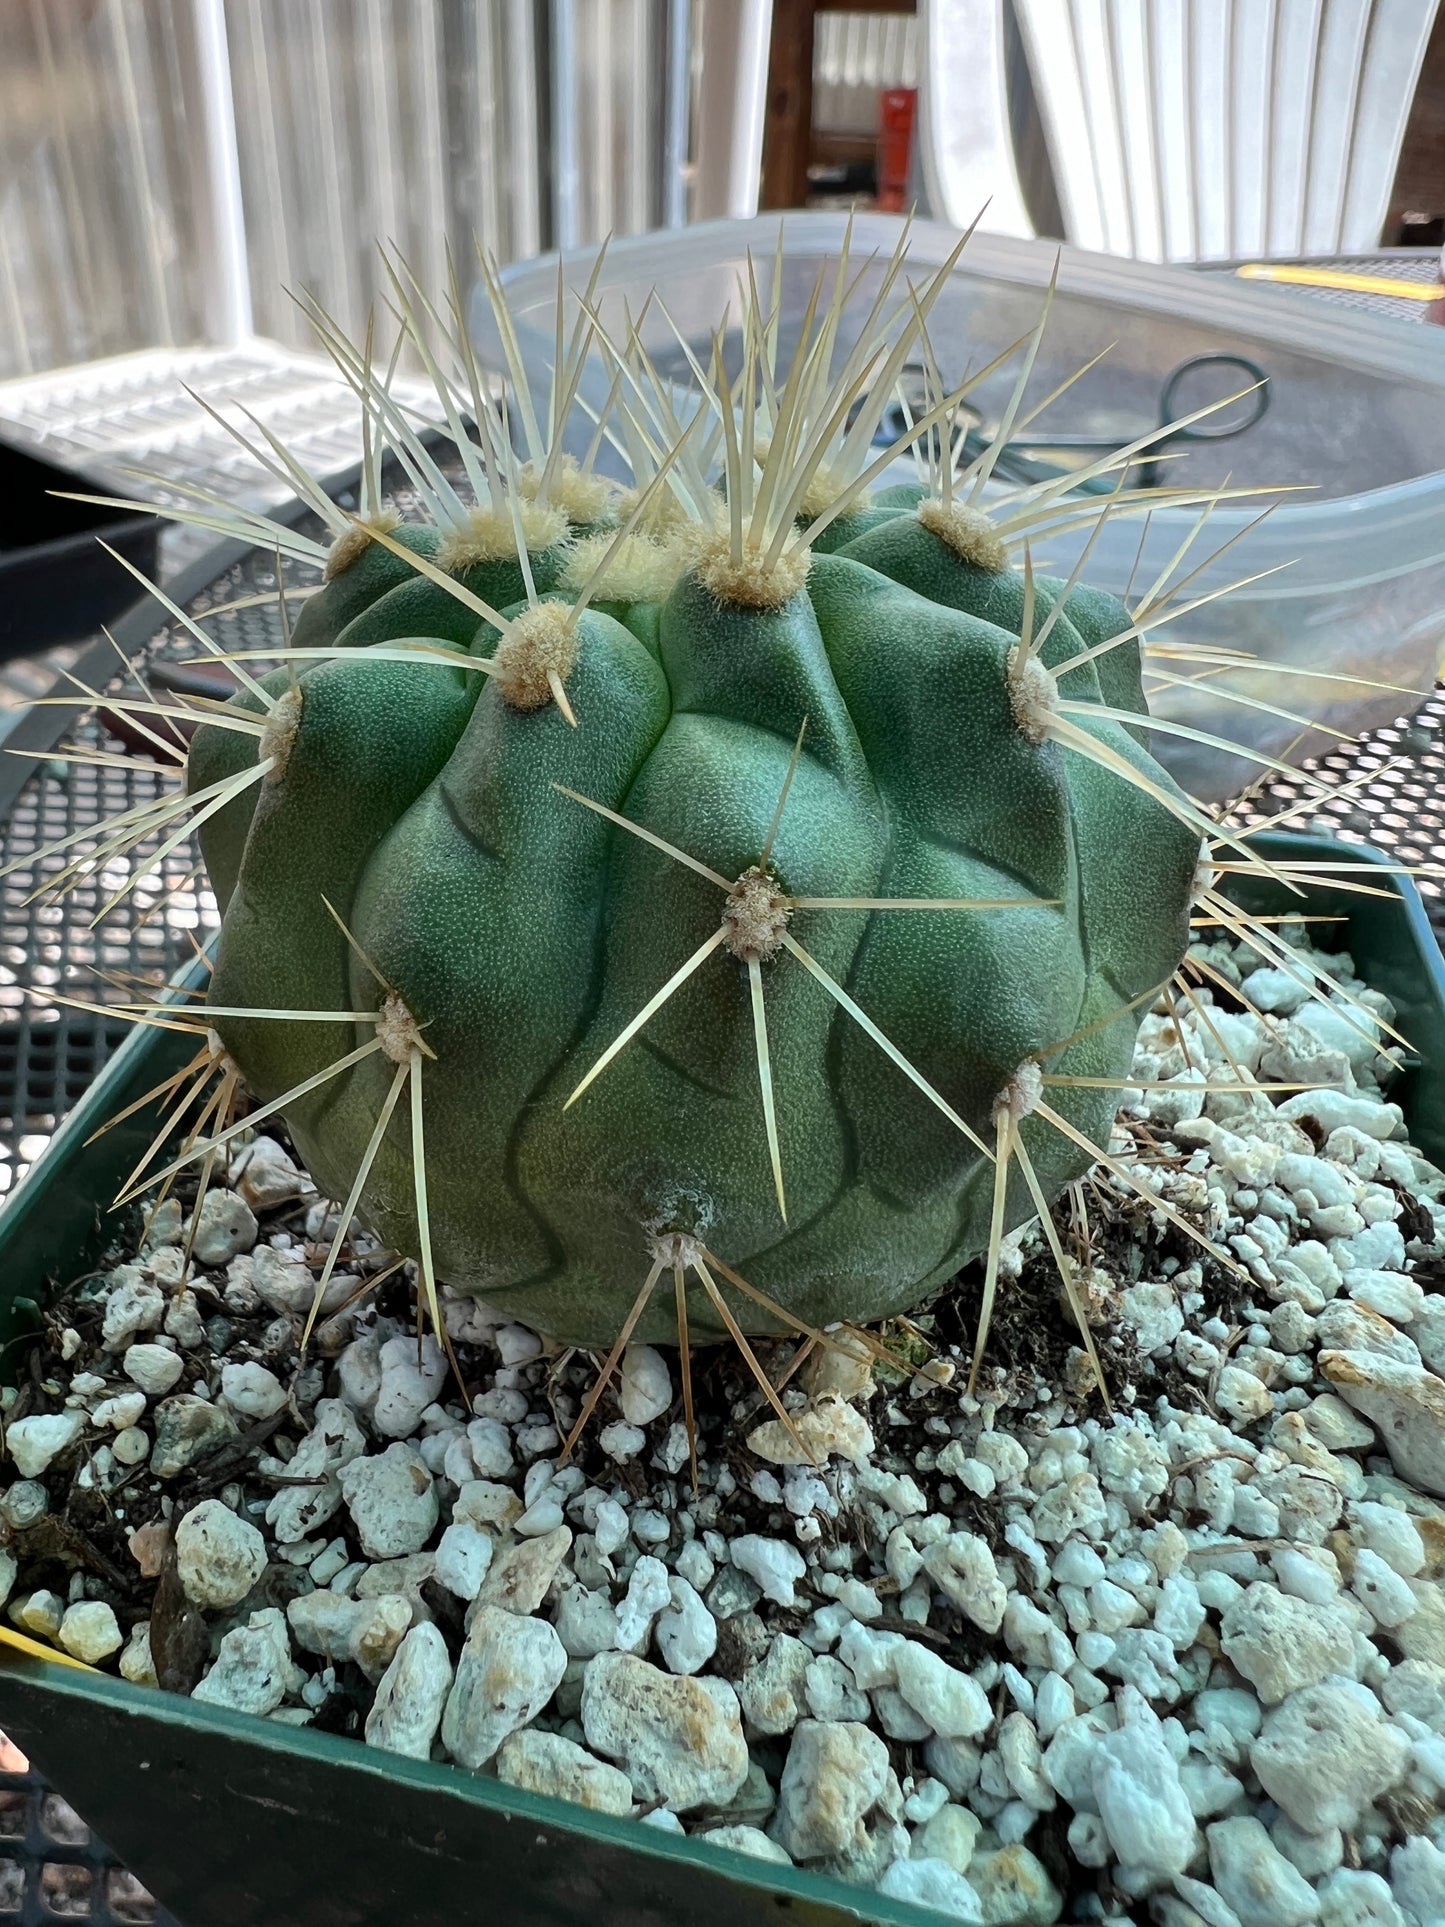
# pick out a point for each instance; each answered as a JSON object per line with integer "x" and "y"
{"x": 1179, "y": 130}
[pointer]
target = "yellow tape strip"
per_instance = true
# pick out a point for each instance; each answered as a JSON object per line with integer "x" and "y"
{"x": 1337, "y": 278}
{"x": 38, "y": 1650}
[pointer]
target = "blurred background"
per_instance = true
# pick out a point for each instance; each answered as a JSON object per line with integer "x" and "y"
{"x": 172, "y": 170}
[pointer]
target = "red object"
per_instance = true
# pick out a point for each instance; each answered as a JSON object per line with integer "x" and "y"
{"x": 897, "y": 110}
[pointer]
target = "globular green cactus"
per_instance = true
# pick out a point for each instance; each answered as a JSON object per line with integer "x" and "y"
{"x": 725, "y": 880}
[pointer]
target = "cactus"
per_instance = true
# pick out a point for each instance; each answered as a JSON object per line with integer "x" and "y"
{"x": 740, "y": 880}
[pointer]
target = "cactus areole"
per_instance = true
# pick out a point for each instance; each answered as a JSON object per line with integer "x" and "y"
{"x": 721, "y": 887}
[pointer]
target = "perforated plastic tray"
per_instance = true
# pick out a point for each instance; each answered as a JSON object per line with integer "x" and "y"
{"x": 52, "y": 1868}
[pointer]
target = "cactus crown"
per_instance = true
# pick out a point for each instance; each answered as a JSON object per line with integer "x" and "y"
{"x": 738, "y": 862}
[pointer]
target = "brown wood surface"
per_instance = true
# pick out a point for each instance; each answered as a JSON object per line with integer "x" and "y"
{"x": 1420, "y": 178}
{"x": 788, "y": 144}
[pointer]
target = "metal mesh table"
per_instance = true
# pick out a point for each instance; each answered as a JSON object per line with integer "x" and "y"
{"x": 52, "y": 1868}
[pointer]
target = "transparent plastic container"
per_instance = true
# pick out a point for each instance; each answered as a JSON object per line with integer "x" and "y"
{"x": 1355, "y": 422}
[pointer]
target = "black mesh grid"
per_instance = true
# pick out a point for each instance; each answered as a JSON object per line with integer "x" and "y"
{"x": 52, "y": 1868}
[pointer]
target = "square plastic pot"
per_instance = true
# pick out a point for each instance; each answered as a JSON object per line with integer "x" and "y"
{"x": 239, "y": 1822}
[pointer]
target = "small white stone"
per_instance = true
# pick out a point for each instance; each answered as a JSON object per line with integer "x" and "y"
{"x": 1417, "y": 1878}
{"x": 679, "y": 1740}
{"x": 251, "y": 1390}
{"x": 948, "y": 1701}
{"x": 963, "y": 1568}
{"x": 520, "y": 1574}
{"x": 252, "y": 1667}
{"x": 1405, "y": 1401}
{"x": 933, "y": 1884}
{"x": 464, "y": 1553}
{"x": 136, "y": 1663}
{"x": 748, "y": 1840}
{"x": 367, "y": 1631}
{"x": 120, "y": 1412}
{"x": 1324, "y": 1755}
{"x": 219, "y": 1557}
{"x": 411, "y": 1378}
{"x": 130, "y": 1446}
{"x": 836, "y": 1776}
{"x": 392, "y": 1501}
{"x": 1135, "y": 1784}
{"x": 773, "y": 1563}
{"x": 829, "y": 1427}
{"x": 646, "y": 1385}
{"x": 412, "y": 1695}
{"x": 610, "y": 1528}
{"x": 548, "y": 1763}
{"x": 334, "y": 1441}
{"x": 35, "y": 1442}
{"x": 1390, "y": 1294}
{"x": 39, "y": 1613}
{"x": 1255, "y": 1879}
{"x": 1385, "y": 1596}
{"x": 1014, "y": 1886}
{"x": 225, "y": 1227}
{"x": 135, "y": 1305}
{"x": 509, "y": 1668}
{"x": 1242, "y": 1396}
{"x": 1391, "y": 1533}
{"x": 153, "y": 1368}
{"x": 89, "y": 1632}
{"x": 686, "y": 1636}
{"x": 621, "y": 1441}
{"x": 265, "y": 1176}
{"x": 1281, "y": 1644}
{"x": 517, "y": 1344}
{"x": 772, "y": 1691}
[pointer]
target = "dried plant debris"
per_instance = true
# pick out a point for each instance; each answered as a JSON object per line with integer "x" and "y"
{"x": 1015, "y": 1653}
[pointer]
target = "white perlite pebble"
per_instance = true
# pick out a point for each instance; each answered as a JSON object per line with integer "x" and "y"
{"x": 226, "y": 1227}
{"x": 933, "y": 1883}
{"x": 836, "y": 1774}
{"x": 686, "y": 1635}
{"x": 410, "y": 1700}
{"x": 365, "y": 1630}
{"x": 134, "y": 1305}
{"x": 392, "y": 1501}
{"x": 1391, "y": 1533}
{"x": 35, "y": 1442}
{"x": 646, "y": 1386}
{"x": 1013, "y": 1885}
{"x": 1326, "y": 1754}
{"x": 153, "y": 1368}
{"x": 90, "y": 1632}
{"x": 1405, "y": 1402}
{"x": 335, "y": 1439}
{"x": 121, "y": 1413}
{"x": 1417, "y": 1878}
{"x": 509, "y": 1668}
{"x": 1255, "y": 1879}
{"x": 748, "y": 1840}
{"x": 265, "y": 1176}
{"x": 548, "y": 1763}
{"x": 621, "y": 1441}
{"x": 464, "y": 1554}
{"x": 1281, "y": 1644}
{"x": 1385, "y": 1596}
{"x": 773, "y": 1563}
{"x": 679, "y": 1740}
{"x": 1134, "y": 1779}
{"x": 408, "y": 1384}
{"x": 830, "y": 1427}
{"x": 251, "y": 1390}
{"x": 950, "y": 1702}
{"x": 219, "y": 1557}
{"x": 963, "y": 1568}
{"x": 252, "y": 1667}
{"x": 39, "y": 1613}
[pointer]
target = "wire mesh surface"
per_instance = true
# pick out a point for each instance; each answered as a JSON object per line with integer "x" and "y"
{"x": 1397, "y": 264}
{"x": 52, "y": 1868}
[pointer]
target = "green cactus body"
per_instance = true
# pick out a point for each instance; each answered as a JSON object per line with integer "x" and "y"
{"x": 523, "y": 930}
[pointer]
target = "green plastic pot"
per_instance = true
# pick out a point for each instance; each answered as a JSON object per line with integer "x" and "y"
{"x": 240, "y": 1822}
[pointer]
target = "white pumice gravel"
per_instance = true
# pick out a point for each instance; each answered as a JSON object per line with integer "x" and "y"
{"x": 1013, "y": 1656}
